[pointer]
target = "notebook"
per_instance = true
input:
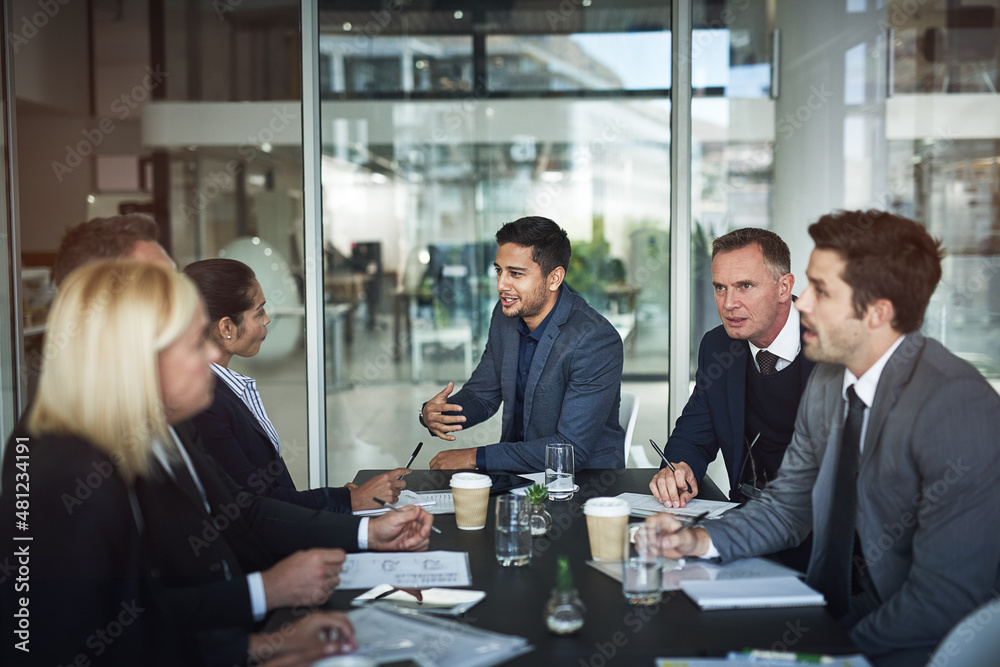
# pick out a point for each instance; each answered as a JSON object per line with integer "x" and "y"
{"x": 751, "y": 593}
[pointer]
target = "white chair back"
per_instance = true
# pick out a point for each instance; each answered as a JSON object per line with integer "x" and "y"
{"x": 627, "y": 413}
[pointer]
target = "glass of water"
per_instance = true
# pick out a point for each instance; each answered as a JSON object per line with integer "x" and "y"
{"x": 513, "y": 535}
{"x": 642, "y": 564}
{"x": 559, "y": 471}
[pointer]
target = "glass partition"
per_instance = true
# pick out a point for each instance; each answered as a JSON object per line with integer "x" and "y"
{"x": 439, "y": 127}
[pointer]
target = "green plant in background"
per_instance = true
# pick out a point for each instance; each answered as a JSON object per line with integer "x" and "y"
{"x": 592, "y": 268}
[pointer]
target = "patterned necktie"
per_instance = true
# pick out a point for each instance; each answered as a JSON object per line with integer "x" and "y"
{"x": 833, "y": 576}
{"x": 767, "y": 362}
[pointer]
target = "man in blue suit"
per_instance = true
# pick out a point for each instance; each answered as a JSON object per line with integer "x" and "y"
{"x": 553, "y": 361}
{"x": 750, "y": 377}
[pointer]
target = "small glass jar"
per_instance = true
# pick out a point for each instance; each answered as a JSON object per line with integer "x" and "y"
{"x": 564, "y": 612}
{"x": 541, "y": 520}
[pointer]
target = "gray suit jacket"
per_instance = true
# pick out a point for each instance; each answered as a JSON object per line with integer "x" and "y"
{"x": 572, "y": 394}
{"x": 928, "y": 515}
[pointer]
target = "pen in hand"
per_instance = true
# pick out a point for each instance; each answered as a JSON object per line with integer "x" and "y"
{"x": 669, "y": 464}
{"x": 693, "y": 523}
{"x": 396, "y": 509}
{"x": 413, "y": 456}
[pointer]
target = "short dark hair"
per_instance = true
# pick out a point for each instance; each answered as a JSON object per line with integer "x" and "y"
{"x": 549, "y": 242}
{"x": 102, "y": 238}
{"x": 777, "y": 258}
{"x": 888, "y": 257}
{"x": 226, "y": 285}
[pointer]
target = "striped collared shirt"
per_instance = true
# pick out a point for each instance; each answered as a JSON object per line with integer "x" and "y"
{"x": 246, "y": 388}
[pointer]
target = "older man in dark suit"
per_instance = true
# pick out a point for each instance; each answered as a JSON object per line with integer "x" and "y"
{"x": 895, "y": 460}
{"x": 750, "y": 374}
{"x": 553, "y": 361}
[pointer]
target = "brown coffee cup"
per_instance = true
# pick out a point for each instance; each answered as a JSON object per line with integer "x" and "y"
{"x": 607, "y": 521}
{"x": 471, "y": 492}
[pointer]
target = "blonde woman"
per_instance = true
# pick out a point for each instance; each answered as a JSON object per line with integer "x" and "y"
{"x": 125, "y": 357}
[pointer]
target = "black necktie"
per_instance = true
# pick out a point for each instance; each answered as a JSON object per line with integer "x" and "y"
{"x": 833, "y": 577}
{"x": 767, "y": 362}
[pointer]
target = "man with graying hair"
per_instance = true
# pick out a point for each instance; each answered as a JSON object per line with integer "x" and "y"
{"x": 895, "y": 461}
{"x": 750, "y": 374}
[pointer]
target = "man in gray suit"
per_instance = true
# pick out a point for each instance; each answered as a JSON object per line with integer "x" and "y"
{"x": 895, "y": 461}
{"x": 553, "y": 361}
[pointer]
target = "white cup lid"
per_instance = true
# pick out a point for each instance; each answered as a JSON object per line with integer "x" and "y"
{"x": 606, "y": 507}
{"x": 470, "y": 480}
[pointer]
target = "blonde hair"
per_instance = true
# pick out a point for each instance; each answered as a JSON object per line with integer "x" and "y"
{"x": 100, "y": 374}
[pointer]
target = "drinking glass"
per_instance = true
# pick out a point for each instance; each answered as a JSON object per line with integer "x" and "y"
{"x": 559, "y": 471}
{"x": 642, "y": 564}
{"x": 513, "y": 533}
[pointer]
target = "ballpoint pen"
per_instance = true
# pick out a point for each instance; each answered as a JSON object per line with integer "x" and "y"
{"x": 396, "y": 509}
{"x": 696, "y": 520}
{"x": 669, "y": 464}
{"x": 413, "y": 456}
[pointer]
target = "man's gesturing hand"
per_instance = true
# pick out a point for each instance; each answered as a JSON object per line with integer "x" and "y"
{"x": 439, "y": 424}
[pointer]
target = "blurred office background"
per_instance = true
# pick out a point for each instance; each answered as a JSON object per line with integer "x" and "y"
{"x": 438, "y": 122}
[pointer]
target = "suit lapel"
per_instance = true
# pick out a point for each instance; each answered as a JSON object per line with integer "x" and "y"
{"x": 559, "y": 317}
{"x": 248, "y": 416}
{"x": 895, "y": 376}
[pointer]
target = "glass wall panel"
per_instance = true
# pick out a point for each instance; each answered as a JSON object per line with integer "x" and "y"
{"x": 228, "y": 128}
{"x": 887, "y": 105}
{"x": 443, "y": 125}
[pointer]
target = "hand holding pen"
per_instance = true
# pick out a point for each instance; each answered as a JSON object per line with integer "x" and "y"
{"x": 665, "y": 483}
{"x": 680, "y": 538}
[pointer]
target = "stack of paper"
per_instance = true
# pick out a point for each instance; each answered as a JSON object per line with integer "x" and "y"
{"x": 643, "y": 505}
{"x": 435, "y": 502}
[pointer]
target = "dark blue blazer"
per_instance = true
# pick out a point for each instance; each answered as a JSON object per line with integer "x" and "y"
{"x": 714, "y": 415}
{"x": 572, "y": 395}
{"x": 234, "y": 437}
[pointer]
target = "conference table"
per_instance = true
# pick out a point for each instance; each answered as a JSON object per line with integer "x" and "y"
{"x": 614, "y": 633}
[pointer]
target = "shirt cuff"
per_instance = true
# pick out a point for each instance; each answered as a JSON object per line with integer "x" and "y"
{"x": 712, "y": 551}
{"x": 363, "y": 533}
{"x": 481, "y": 458}
{"x": 258, "y": 598}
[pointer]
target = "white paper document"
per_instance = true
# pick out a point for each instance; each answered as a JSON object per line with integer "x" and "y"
{"x": 537, "y": 478}
{"x": 677, "y": 571}
{"x": 406, "y": 569}
{"x": 643, "y": 505}
{"x": 435, "y": 502}
{"x": 751, "y": 593}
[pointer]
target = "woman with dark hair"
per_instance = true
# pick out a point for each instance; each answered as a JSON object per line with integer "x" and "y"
{"x": 236, "y": 429}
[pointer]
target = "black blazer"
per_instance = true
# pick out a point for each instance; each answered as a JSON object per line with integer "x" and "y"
{"x": 204, "y": 559}
{"x": 234, "y": 437}
{"x": 87, "y": 580}
{"x": 714, "y": 415}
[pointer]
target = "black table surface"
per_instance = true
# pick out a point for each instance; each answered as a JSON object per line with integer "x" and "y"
{"x": 614, "y": 632}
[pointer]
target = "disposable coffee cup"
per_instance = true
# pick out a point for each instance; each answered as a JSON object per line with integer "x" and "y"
{"x": 471, "y": 492}
{"x": 607, "y": 520}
